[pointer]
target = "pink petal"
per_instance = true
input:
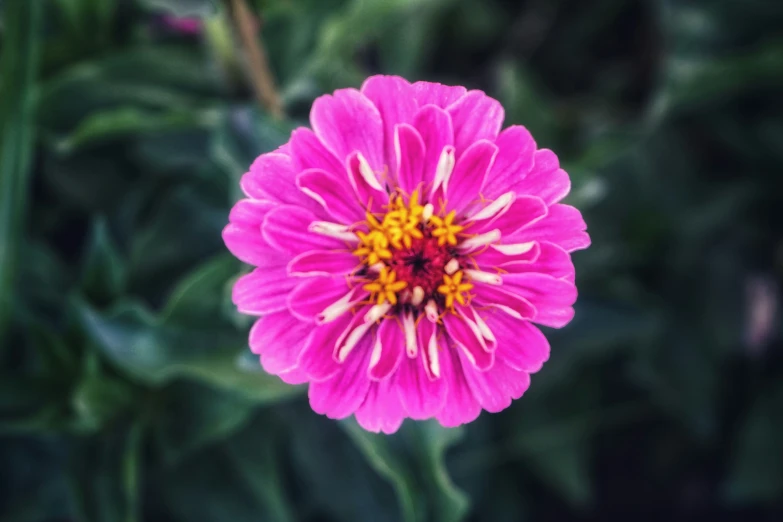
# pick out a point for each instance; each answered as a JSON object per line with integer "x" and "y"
{"x": 250, "y": 247}
{"x": 475, "y": 116}
{"x": 341, "y": 395}
{"x": 295, "y": 376}
{"x": 251, "y": 212}
{"x": 370, "y": 192}
{"x": 470, "y": 172}
{"x": 437, "y": 94}
{"x": 387, "y": 350}
{"x": 323, "y": 263}
{"x": 507, "y": 299}
{"x": 523, "y": 212}
{"x": 395, "y": 100}
{"x": 307, "y": 152}
{"x": 331, "y": 192}
{"x": 317, "y": 357}
{"x": 272, "y": 177}
{"x": 409, "y": 149}
{"x": 286, "y": 229}
{"x": 434, "y": 126}
{"x": 467, "y": 337}
{"x": 279, "y": 339}
{"x": 421, "y": 393}
{"x": 348, "y": 121}
{"x": 553, "y": 261}
{"x": 563, "y": 226}
{"x": 315, "y": 294}
{"x": 552, "y": 297}
{"x": 520, "y": 344}
{"x": 262, "y": 291}
{"x": 514, "y": 161}
{"x": 546, "y": 179}
{"x": 461, "y": 406}
{"x": 497, "y": 387}
{"x": 381, "y": 410}
{"x": 427, "y": 334}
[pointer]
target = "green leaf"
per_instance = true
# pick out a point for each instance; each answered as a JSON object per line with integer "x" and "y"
{"x": 156, "y": 353}
{"x": 197, "y": 297}
{"x": 755, "y": 474}
{"x": 184, "y": 7}
{"x": 243, "y": 476}
{"x": 191, "y": 416}
{"x": 132, "y": 121}
{"x": 99, "y": 399}
{"x": 103, "y": 271}
{"x": 423, "y": 487}
{"x": 18, "y": 72}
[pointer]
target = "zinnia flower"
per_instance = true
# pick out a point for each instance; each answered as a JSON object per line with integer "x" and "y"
{"x": 404, "y": 249}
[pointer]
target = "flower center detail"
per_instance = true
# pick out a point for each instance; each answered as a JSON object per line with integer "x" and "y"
{"x": 410, "y": 255}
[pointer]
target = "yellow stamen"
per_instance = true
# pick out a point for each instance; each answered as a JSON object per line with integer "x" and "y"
{"x": 386, "y": 287}
{"x": 445, "y": 229}
{"x": 454, "y": 289}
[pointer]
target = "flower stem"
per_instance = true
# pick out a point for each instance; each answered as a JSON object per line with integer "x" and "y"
{"x": 256, "y": 61}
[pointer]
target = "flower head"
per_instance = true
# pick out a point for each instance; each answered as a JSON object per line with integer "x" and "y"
{"x": 404, "y": 248}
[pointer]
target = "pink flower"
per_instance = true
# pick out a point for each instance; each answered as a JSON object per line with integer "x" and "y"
{"x": 404, "y": 249}
{"x": 188, "y": 26}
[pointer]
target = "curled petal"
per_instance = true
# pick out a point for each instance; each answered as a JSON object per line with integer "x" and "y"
{"x": 286, "y": 229}
{"x": 366, "y": 185}
{"x": 348, "y": 121}
{"x": 381, "y": 411}
{"x": 314, "y": 295}
{"x": 467, "y": 336}
{"x": 344, "y": 392}
{"x": 506, "y": 300}
{"x": 470, "y": 172}
{"x": 262, "y": 291}
{"x": 387, "y": 351}
{"x": 523, "y": 212}
{"x": 393, "y": 96}
{"x": 434, "y": 126}
{"x": 329, "y": 191}
{"x": 409, "y": 149}
{"x": 279, "y": 339}
{"x": 552, "y": 260}
{"x": 476, "y": 117}
{"x": 553, "y": 298}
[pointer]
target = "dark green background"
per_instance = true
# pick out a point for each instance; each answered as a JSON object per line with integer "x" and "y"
{"x": 127, "y": 391}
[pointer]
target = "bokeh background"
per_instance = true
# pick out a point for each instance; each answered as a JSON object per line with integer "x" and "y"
{"x": 127, "y": 391}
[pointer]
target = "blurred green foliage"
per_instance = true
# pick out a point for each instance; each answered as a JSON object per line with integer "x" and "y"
{"x": 127, "y": 391}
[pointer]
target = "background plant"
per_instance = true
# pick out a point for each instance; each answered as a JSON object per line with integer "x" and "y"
{"x": 127, "y": 391}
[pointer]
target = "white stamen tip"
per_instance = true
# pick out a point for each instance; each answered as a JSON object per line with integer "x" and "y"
{"x": 500, "y": 204}
{"x": 376, "y": 312}
{"x": 338, "y": 308}
{"x": 481, "y": 240}
{"x": 377, "y": 267}
{"x": 431, "y": 310}
{"x": 325, "y": 228}
{"x": 426, "y": 214}
{"x": 350, "y": 342}
{"x": 432, "y": 352}
{"x": 418, "y": 296}
{"x": 369, "y": 176}
{"x": 444, "y": 168}
{"x": 452, "y": 266}
{"x": 515, "y": 249}
{"x": 484, "y": 277}
{"x": 409, "y": 328}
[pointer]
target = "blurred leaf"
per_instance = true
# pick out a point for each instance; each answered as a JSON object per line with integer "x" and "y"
{"x": 160, "y": 77}
{"x": 18, "y": 71}
{"x": 755, "y": 474}
{"x": 131, "y": 121}
{"x": 104, "y": 470}
{"x": 185, "y": 7}
{"x": 157, "y": 353}
{"x": 103, "y": 271}
{"x": 249, "y": 488}
{"x": 99, "y": 399}
{"x": 191, "y": 416}
{"x": 195, "y": 298}
{"x": 424, "y": 486}
{"x": 245, "y": 134}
